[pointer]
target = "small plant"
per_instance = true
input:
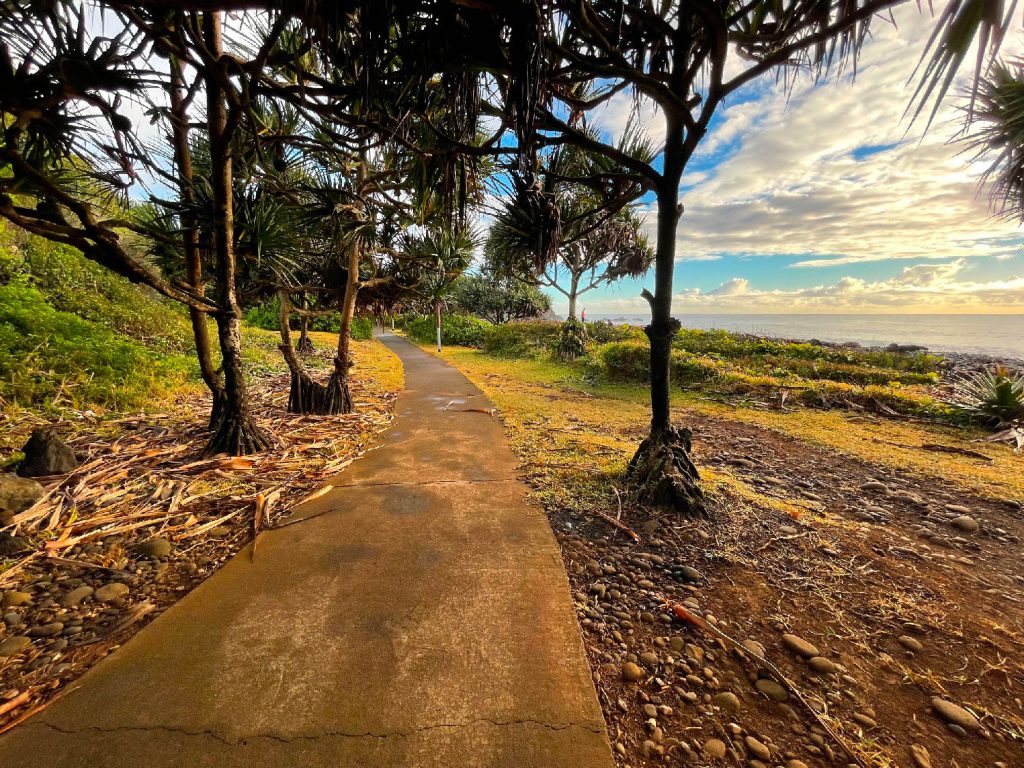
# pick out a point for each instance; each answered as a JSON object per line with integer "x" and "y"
{"x": 994, "y": 397}
{"x": 572, "y": 340}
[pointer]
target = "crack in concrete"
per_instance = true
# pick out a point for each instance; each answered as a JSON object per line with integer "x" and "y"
{"x": 244, "y": 740}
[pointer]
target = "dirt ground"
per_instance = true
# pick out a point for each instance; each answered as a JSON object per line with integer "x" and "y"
{"x": 903, "y": 587}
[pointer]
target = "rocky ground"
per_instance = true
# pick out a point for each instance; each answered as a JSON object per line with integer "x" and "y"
{"x": 890, "y": 603}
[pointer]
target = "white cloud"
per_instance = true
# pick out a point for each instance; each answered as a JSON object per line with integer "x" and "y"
{"x": 920, "y": 287}
{"x": 831, "y": 171}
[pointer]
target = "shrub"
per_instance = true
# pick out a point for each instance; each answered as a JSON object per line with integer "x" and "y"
{"x": 533, "y": 339}
{"x": 45, "y": 351}
{"x": 604, "y": 333}
{"x": 572, "y": 340}
{"x": 992, "y": 397}
{"x": 362, "y": 328}
{"x": 626, "y": 361}
{"x": 459, "y": 330}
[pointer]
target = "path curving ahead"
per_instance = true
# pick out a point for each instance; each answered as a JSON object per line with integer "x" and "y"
{"x": 419, "y": 615}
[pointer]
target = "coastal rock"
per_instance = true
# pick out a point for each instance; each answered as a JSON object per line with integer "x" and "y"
{"x": 46, "y": 454}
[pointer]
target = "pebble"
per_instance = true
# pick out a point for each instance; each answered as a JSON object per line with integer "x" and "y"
{"x": 47, "y": 630}
{"x": 965, "y": 523}
{"x": 14, "y": 598}
{"x": 955, "y": 714}
{"x": 874, "y": 485}
{"x": 821, "y": 665}
{"x": 865, "y": 720}
{"x": 796, "y": 764}
{"x": 13, "y": 645}
{"x": 75, "y": 596}
{"x": 714, "y": 748}
{"x": 631, "y": 672}
{"x": 649, "y": 659}
{"x": 156, "y": 548}
{"x": 727, "y": 700}
{"x": 754, "y": 647}
{"x": 772, "y": 689}
{"x": 111, "y": 592}
{"x": 690, "y": 574}
{"x": 757, "y": 749}
{"x": 911, "y": 643}
{"x": 799, "y": 646}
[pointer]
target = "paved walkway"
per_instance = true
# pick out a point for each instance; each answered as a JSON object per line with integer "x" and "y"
{"x": 424, "y": 620}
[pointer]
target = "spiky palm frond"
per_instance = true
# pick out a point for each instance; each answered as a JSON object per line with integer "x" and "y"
{"x": 996, "y": 135}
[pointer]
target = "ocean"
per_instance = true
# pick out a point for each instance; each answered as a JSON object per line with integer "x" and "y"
{"x": 995, "y": 335}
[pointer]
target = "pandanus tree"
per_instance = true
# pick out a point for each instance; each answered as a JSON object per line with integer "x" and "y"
{"x": 675, "y": 54}
{"x": 443, "y": 252}
{"x": 601, "y": 238}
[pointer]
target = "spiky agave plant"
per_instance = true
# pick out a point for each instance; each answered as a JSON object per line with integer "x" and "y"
{"x": 993, "y": 396}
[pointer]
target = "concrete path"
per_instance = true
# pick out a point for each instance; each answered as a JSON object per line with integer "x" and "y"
{"x": 419, "y": 616}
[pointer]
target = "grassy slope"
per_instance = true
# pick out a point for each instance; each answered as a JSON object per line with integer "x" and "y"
{"x": 526, "y": 391}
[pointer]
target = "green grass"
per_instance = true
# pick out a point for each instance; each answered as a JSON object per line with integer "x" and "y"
{"x": 73, "y": 334}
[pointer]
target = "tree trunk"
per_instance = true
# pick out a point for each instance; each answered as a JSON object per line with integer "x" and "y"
{"x": 305, "y": 343}
{"x": 437, "y": 320}
{"x": 338, "y": 393}
{"x": 190, "y": 238}
{"x": 662, "y": 471}
{"x": 305, "y": 395}
{"x": 572, "y": 297}
{"x": 236, "y": 432}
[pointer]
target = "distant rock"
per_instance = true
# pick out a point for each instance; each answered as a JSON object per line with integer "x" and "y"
{"x": 46, "y": 454}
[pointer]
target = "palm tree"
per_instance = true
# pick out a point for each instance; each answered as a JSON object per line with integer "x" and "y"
{"x": 444, "y": 252}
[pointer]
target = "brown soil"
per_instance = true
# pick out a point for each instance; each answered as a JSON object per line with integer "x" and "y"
{"x": 849, "y": 584}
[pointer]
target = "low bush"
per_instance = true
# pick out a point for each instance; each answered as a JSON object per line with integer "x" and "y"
{"x": 532, "y": 339}
{"x": 458, "y": 330}
{"x": 630, "y": 361}
{"x": 993, "y": 397}
{"x": 362, "y": 328}
{"x": 47, "y": 354}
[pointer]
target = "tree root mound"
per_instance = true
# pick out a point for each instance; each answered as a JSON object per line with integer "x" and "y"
{"x": 236, "y": 434}
{"x": 308, "y": 396}
{"x": 662, "y": 474}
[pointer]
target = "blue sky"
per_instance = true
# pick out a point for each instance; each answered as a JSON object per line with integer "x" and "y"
{"x": 825, "y": 199}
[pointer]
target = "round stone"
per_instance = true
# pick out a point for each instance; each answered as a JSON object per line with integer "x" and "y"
{"x": 46, "y": 630}
{"x": 727, "y": 700}
{"x": 821, "y": 665}
{"x": 965, "y": 523}
{"x": 714, "y": 748}
{"x": 772, "y": 689}
{"x": 156, "y": 548}
{"x": 649, "y": 659}
{"x": 911, "y": 643}
{"x": 108, "y": 593}
{"x": 955, "y": 714}
{"x": 13, "y": 645}
{"x": 631, "y": 672}
{"x": 75, "y": 596}
{"x": 757, "y": 749}
{"x": 14, "y": 598}
{"x": 799, "y": 646}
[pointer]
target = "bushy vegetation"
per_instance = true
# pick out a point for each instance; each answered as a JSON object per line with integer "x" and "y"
{"x": 572, "y": 340}
{"x": 736, "y": 365}
{"x": 267, "y": 316}
{"x": 72, "y": 333}
{"x": 459, "y": 330}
